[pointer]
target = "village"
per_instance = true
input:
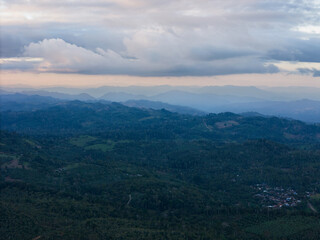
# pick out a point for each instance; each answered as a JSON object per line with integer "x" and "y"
{"x": 277, "y": 197}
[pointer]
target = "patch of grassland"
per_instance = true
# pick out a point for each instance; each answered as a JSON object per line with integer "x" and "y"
{"x": 30, "y": 142}
{"x": 316, "y": 197}
{"x": 82, "y": 140}
{"x": 73, "y": 166}
{"x": 5, "y": 155}
{"x": 104, "y": 147}
{"x": 146, "y": 118}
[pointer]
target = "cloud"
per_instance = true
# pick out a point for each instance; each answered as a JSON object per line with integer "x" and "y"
{"x": 313, "y": 71}
{"x": 298, "y": 50}
{"x": 21, "y": 63}
{"x": 59, "y": 56}
{"x": 211, "y": 53}
{"x": 297, "y": 67}
{"x": 159, "y": 38}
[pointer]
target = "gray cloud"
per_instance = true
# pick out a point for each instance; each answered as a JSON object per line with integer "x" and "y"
{"x": 211, "y": 53}
{"x": 60, "y": 56}
{"x": 314, "y": 72}
{"x": 298, "y": 50}
{"x": 159, "y": 38}
{"x": 13, "y": 39}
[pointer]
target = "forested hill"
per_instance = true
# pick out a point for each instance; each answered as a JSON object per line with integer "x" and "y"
{"x": 78, "y": 170}
{"x": 111, "y": 119}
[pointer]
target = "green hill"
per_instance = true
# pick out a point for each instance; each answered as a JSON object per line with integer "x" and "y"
{"x": 106, "y": 171}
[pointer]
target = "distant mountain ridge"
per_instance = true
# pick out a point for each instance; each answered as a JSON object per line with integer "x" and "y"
{"x": 63, "y": 96}
{"x": 23, "y": 102}
{"x": 160, "y": 105}
{"x": 304, "y": 110}
{"x": 212, "y": 99}
{"x": 266, "y": 93}
{"x": 98, "y": 118}
{"x": 26, "y": 102}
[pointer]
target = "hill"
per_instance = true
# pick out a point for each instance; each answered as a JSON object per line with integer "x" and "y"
{"x": 80, "y": 117}
{"x": 79, "y": 170}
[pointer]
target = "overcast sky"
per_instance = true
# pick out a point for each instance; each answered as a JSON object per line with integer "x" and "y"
{"x": 161, "y": 38}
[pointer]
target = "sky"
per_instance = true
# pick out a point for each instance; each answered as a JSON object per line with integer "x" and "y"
{"x": 152, "y": 42}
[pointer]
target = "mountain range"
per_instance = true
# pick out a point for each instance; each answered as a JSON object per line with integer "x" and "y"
{"x": 296, "y": 103}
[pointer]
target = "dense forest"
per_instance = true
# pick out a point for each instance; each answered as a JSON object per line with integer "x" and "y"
{"x": 79, "y": 170}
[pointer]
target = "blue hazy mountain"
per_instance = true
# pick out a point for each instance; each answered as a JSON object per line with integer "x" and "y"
{"x": 160, "y": 105}
{"x": 58, "y": 95}
{"x": 304, "y": 110}
{"x": 290, "y": 102}
{"x": 23, "y": 102}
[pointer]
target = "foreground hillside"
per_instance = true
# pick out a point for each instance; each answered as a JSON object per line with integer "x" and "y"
{"x": 106, "y": 171}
